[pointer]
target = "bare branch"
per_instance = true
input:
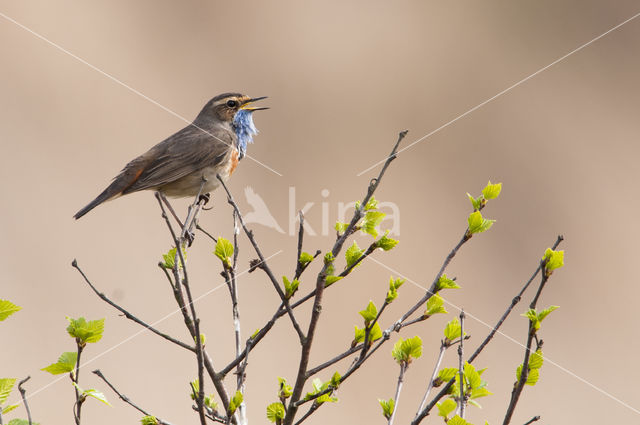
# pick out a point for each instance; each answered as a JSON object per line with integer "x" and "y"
{"x": 396, "y": 398}
{"x": 434, "y": 374}
{"x": 127, "y": 400}
{"x": 532, "y": 420}
{"x": 127, "y": 314}
{"x": 24, "y": 398}
{"x": 462, "y": 401}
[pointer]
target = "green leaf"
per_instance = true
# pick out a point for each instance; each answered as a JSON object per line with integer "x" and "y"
{"x": 6, "y": 385}
{"x": 7, "y": 308}
{"x": 552, "y": 260}
{"x": 224, "y": 251}
{"x": 537, "y": 318}
{"x": 330, "y": 280}
{"x": 149, "y": 420}
{"x": 452, "y": 330}
{"x": 492, "y": 191}
{"x": 479, "y": 392}
{"x": 435, "y": 305}
{"x": 371, "y": 221}
{"x": 329, "y": 258}
{"x": 353, "y": 254}
{"x": 235, "y": 402}
{"x": 386, "y": 243}
{"x": 394, "y": 284}
{"x": 285, "y": 390}
{"x": 476, "y": 203}
{"x": 387, "y": 407}
{"x": 369, "y": 313}
{"x": 536, "y": 360}
{"x": 210, "y": 403}
{"x": 532, "y": 377}
{"x": 445, "y": 283}
{"x": 85, "y": 331}
{"x": 457, "y": 420}
{"x": 531, "y": 314}
{"x": 66, "y": 363}
{"x": 305, "y": 258}
{"x": 371, "y": 204}
{"x": 257, "y": 331}
{"x": 472, "y": 377}
{"x": 446, "y": 407}
{"x": 9, "y": 408}
{"x": 404, "y": 351}
{"x": 341, "y": 227}
{"x": 544, "y": 313}
{"x": 447, "y": 374}
{"x": 275, "y": 412}
{"x": 319, "y": 386}
{"x": 21, "y": 422}
{"x": 374, "y": 334}
{"x": 478, "y": 224}
{"x": 336, "y": 378}
{"x": 97, "y": 395}
{"x": 170, "y": 258}
{"x": 290, "y": 288}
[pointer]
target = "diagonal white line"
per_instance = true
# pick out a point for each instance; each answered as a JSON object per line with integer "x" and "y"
{"x": 125, "y": 85}
{"x": 546, "y": 359}
{"x": 130, "y": 337}
{"x": 480, "y": 105}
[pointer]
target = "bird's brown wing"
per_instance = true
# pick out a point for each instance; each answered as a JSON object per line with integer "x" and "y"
{"x": 189, "y": 150}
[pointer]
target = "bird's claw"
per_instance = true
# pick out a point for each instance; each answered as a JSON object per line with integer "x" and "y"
{"x": 189, "y": 237}
{"x": 205, "y": 197}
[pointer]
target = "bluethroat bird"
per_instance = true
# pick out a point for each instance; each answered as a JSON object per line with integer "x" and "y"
{"x": 187, "y": 163}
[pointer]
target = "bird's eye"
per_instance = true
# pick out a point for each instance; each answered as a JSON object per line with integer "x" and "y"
{"x": 232, "y": 103}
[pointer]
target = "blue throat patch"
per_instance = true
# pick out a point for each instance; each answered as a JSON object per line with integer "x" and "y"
{"x": 245, "y": 130}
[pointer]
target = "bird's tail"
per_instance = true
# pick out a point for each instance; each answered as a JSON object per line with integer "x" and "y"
{"x": 106, "y": 195}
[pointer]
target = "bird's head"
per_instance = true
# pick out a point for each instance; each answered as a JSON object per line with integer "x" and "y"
{"x": 224, "y": 107}
{"x": 236, "y": 110}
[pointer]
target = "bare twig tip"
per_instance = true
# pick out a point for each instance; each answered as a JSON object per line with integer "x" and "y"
{"x": 74, "y": 263}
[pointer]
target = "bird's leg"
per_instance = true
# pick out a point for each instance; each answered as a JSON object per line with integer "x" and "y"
{"x": 192, "y": 215}
{"x": 206, "y": 197}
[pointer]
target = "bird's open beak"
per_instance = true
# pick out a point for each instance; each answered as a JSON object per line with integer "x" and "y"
{"x": 247, "y": 104}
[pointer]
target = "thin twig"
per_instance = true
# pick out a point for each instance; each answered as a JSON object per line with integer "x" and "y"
{"x": 127, "y": 314}
{"x": 299, "y": 266}
{"x": 334, "y": 360}
{"x": 532, "y": 420}
{"x": 127, "y": 399}
{"x": 396, "y": 398}
{"x": 434, "y": 374}
{"x": 75, "y": 379}
{"x": 462, "y": 401}
{"x": 24, "y": 398}
{"x": 206, "y": 233}
{"x": 531, "y": 334}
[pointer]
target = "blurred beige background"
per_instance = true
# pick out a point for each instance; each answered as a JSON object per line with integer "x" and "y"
{"x": 343, "y": 78}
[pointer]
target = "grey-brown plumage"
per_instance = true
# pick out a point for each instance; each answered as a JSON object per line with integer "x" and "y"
{"x": 177, "y": 165}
